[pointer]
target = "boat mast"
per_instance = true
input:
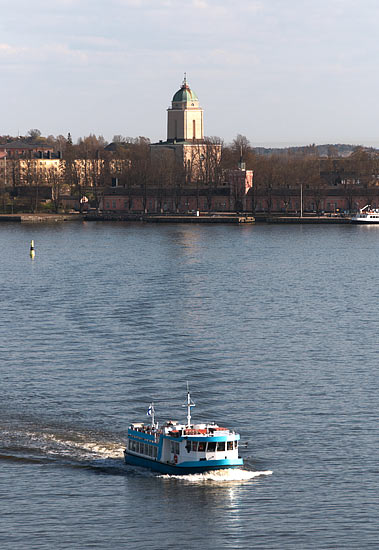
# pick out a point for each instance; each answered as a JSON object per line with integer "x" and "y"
{"x": 190, "y": 404}
{"x": 151, "y": 412}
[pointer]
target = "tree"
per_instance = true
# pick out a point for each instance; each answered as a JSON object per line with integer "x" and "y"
{"x": 241, "y": 145}
{"x": 33, "y": 134}
{"x": 55, "y": 179}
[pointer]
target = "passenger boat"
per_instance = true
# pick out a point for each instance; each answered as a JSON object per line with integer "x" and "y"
{"x": 366, "y": 215}
{"x": 180, "y": 449}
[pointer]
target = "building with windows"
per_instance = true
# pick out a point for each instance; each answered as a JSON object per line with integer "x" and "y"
{"x": 187, "y": 174}
{"x": 22, "y": 149}
{"x": 185, "y": 142}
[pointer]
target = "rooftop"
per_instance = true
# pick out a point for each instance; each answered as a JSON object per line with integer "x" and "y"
{"x": 185, "y": 93}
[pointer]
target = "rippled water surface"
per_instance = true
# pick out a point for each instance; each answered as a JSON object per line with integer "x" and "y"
{"x": 276, "y": 329}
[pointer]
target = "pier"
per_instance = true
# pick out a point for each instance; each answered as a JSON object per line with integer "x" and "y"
{"x": 172, "y": 218}
{"x": 307, "y": 219}
{"x": 221, "y": 217}
{"x": 40, "y": 218}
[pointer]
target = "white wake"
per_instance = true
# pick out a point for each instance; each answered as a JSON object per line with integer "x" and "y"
{"x": 220, "y": 476}
{"x": 84, "y": 448}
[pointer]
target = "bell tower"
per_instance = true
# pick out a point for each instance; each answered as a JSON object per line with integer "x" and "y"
{"x": 185, "y": 116}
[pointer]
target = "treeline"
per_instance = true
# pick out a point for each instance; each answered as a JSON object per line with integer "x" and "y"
{"x": 90, "y": 164}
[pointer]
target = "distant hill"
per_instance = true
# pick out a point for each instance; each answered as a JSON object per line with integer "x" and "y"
{"x": 333, "y": 150}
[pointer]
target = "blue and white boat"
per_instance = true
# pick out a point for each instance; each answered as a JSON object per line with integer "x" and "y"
{"x": 179, "y": 449}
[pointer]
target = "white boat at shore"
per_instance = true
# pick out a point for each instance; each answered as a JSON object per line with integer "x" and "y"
{"x": 366, "y": 215}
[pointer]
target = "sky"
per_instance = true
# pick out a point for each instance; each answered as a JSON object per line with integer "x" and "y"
{"x": 279, "y": 72}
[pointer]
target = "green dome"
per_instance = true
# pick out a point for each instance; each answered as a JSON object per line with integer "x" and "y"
{"x": 185, "y": 94}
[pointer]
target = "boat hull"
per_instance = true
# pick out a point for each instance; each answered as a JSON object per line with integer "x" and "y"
{"x": 178, "y": 469}
{"x": 364, "y": 221}
{"x": 366, "y": 217}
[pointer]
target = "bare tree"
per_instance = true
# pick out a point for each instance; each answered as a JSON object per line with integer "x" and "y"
{"x": 55, "y": 179}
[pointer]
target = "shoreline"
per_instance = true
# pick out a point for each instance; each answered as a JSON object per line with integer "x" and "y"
{"x": 217, "y": 217}
{"x": 40, "y": 218}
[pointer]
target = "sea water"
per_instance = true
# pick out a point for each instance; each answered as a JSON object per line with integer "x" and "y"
{"x": 274, "y": 327}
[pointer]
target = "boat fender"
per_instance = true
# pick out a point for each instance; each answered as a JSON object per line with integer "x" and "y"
{"x": 176, "y": 459}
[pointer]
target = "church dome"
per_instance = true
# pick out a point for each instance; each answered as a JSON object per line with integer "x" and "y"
{"x": 185, "y": 94}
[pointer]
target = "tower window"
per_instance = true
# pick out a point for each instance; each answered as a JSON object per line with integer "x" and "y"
{"x": 194, "y": 128}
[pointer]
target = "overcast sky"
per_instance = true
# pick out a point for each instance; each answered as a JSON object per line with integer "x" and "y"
{"x": 279, "y": 72}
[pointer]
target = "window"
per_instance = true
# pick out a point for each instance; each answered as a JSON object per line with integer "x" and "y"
{"x": 194, "y": 446}
{"x": 230, "y": 445}
{"x": 211, "y": 447}
{"x": 236, "y": 444}
{"x": 175, "y": 447}
{"x": 201, "y": 448}
{"x": 221, "y": 446}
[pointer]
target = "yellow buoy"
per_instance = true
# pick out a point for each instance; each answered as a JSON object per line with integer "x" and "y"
{"x": 32, "y": 250}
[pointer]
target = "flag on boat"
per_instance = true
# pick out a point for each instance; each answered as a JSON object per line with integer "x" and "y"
{"x": 150, "y": 410}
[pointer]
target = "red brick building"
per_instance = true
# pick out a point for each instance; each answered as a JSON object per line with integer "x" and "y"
{"x": 22, "y": 149}
{"x": 234, "y": 194}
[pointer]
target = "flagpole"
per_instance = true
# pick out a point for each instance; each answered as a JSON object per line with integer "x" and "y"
{"x": 151, "y": 412}
{"x": 190, "y": 404}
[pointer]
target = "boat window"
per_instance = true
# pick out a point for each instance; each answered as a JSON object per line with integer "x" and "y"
{"x": 211, "y": 447}
{"x": 201, "y": 448}
{"x": 194, "y": 446}
{"x": 175, "y": 447}
{"x": 230, "y": 445}
{"x": 236, "y": 444}
{"x": 221, "y": 446}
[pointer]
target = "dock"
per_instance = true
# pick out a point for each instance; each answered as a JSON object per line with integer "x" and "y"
{"x": 230, "y": 218}
{"x": 40, "y": 218}
{"x": 172, "y": 218}
{"x": 307, "y": 219}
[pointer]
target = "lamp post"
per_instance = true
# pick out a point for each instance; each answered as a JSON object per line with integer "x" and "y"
{"x": 202, "y": 158}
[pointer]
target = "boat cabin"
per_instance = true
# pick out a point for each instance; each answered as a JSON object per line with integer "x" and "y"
{"x": 177, "y": 443}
